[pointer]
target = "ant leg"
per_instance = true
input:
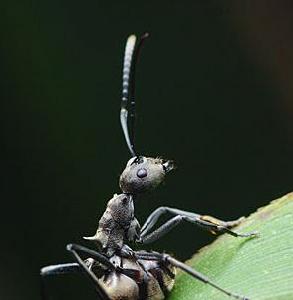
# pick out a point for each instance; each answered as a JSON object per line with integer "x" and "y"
{"x": 73, "y": 248}
{"x": 147, "y": 238}
{"x": 154, "y": 216}
{"x": 207, "y": 222}
{"x": 92, "y": 253}
{"x": 76, "y": 268}
{"x": 60, "y": 269}
{"x": 166, "y": 258}
{"x": 56, "y": 270}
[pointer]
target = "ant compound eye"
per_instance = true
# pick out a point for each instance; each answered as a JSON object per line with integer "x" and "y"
{"x": 141, "y": 173}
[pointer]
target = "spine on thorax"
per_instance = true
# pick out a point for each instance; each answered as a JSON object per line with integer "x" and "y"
{"x": 117, "y": 225}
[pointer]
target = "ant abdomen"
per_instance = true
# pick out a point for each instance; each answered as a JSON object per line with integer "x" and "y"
{"x": 144, "y": 174}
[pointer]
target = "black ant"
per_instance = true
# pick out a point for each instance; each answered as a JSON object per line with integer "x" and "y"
{"x": 117, "y": 271}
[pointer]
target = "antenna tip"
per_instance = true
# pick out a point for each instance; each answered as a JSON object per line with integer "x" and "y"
{"x": 145, "y": 35}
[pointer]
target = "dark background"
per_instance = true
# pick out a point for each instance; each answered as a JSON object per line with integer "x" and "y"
{"x": 214, "y": 93}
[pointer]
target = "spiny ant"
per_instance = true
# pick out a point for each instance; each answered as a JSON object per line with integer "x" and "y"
{"x": 115, "y": 270}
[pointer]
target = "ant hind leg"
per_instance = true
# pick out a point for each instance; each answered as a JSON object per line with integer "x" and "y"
{"x": 166, "y": 258}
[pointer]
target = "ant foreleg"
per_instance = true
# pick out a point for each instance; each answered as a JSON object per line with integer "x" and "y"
{"x": 207, "y": 222}
{"x": 166, "y": 258}
{"x": 147, "y": 238}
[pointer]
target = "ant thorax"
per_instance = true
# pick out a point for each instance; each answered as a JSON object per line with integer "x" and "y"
{"x": 116, "y": 225}
{"x": 143, "y": 174}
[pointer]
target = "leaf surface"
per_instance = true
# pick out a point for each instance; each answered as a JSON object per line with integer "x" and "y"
{"x": 259, "y": 268}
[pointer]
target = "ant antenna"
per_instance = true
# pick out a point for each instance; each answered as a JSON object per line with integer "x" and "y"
{"x": 128, "y": 84}
{"x": 132, "y": 84}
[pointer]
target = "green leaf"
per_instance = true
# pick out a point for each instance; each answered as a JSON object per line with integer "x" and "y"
{"x": 258, "y": 268}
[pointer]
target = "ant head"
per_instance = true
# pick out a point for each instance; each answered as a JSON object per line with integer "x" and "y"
{"x": 143, "y": 174}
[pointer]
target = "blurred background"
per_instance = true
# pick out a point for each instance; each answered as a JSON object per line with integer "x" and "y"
{"x": 214, "y": 93}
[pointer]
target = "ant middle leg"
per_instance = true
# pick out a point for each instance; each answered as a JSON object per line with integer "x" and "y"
{"x": 56, "y": 270}
{"x": 74, "y": 249}
{"x": 80, "y": 266}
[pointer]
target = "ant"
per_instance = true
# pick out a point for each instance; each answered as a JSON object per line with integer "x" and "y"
{"x": 115, "y": 270}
